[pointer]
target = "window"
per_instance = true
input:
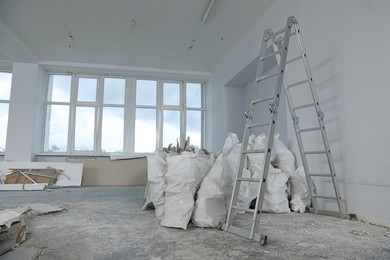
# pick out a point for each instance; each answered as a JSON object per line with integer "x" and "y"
{"x": 95, "y": 115}
{"x": 5, "y": 94}
{"x": 167, "y": 113}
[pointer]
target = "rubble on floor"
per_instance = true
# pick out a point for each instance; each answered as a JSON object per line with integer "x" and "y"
{"x": 11, "y": 216}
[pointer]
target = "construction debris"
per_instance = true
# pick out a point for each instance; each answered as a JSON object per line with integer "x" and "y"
{"x": 53, "y": 173}
{"x": 174, "y": 177}
{"x": 16, "y": 215}
{"x": 47, "y": 175}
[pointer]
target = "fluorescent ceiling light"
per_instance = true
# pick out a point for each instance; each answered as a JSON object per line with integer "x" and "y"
{"x": 210, "y": 10}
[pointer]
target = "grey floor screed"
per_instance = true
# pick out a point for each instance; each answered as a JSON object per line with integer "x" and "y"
{"x": 108, "y": 223}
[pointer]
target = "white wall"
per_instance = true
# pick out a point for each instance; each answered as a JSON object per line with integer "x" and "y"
{"x": 347, "y": 43}
{"x": 25, "y": 112}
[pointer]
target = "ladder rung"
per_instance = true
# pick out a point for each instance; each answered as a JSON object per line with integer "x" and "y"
{"x": 242, "y": 209}
{"x": 271, "y": 54}
{"x": 297, "y": 83}
{"x": 293, "y": 33}
{"x": 315, "y": 152}
{"x": 267, "y": 76}
{"x": 246, "y": 233}
{"x": 309, "y": 129}
{"x": 261, "y": 100}
{"x": 281, "y": 38}
{"x": 330, "y": 213}
{"x": 320, "y": 175}
{"x": 257, "y": 125}
{"x": 304, "y": 106}
{"x": 254, "y": 151}
{"x": 294, "y": 59}
{"x": 248, "y": 179}
{"x": 324, "y": 197}
{"x": 275, "y": 34}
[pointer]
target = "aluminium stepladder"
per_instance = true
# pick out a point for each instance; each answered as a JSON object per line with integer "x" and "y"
{"x": 276, "y": 46}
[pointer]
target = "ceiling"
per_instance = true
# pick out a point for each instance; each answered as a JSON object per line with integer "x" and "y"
{"x": 164, "y": 34}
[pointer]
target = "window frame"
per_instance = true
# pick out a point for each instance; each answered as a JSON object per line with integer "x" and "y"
{"x": 129, "y": 113}
{"x": 6, "y": 101}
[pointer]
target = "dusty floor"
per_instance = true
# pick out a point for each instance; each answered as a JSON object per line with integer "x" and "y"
{"x": 108, "y": 223}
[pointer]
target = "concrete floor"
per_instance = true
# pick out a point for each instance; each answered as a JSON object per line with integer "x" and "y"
{"x": 108, "y": 223}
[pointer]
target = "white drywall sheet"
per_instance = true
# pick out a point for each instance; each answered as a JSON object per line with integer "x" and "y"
{"x": 71, "y": 176}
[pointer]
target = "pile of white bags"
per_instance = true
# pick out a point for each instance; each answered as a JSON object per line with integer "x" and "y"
{"x": 174, "y": 180}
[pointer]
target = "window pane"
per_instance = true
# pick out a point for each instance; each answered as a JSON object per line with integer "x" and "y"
{"x": 87, "y": 90}
{"x": 145, "y": 130}
{"x": 59, "y": 88}
{"x": 171, "y": 94}
{"x": 114, "y": 91}
{"x": 146, "y": 92}
{"x": 5, "y": 85}
{"x": 58, "y": 116}
{"x": 3, "y": 125}
{"x": 112, "y": 129}
{"x": 84, "y": 129}
{"x": 194, "y": 127}
{"x": 171, "y": 127}
{"x": 194, "y": 95}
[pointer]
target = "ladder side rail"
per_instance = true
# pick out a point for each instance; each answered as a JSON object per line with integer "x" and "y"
{"x": 320, "y": 120}
{"x": 271, "y": 132}
{"x": 236, "y": 187}
{"x": 260, "y": 66}
{"x": 247, "y": 131}
{"x": 295, "y": 119}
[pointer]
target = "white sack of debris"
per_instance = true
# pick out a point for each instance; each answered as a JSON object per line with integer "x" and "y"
{"x": 275, "y": 196}
{"x": 284, "y": 158}
{"x": 210, "y": 208}
{"x": 185, "y": 173}
{"x": 155, "y": 193}
{"x": 214, "y": 195}
{"x": 300, "y": 195}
